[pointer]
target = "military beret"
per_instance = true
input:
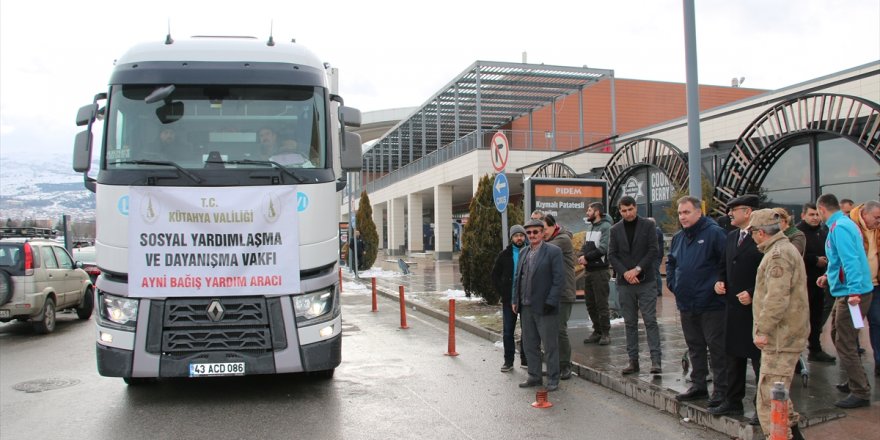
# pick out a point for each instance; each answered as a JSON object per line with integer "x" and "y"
{"x": 750, "y": 200}
{"x": 763, "y": 217}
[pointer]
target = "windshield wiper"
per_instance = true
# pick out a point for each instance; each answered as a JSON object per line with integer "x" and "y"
{"x": 166, "y": 163}
{"x": 269, "y": 163}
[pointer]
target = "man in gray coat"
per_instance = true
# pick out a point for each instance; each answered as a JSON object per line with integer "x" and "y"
{"x": 632, "y": 252}
{"x": 537, "y": 288}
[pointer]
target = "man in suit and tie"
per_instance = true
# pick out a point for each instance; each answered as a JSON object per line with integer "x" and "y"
{"x": 537, "y": 289}
{"x": 632, "y": 253}
{"x": 736, "y": 284}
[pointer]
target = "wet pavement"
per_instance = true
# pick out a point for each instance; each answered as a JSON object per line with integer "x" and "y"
{"x": 430, "y": 283}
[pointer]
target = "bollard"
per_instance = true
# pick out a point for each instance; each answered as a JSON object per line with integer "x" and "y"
{"x": 450, "y": 351}
{"x": 402, "y": 310}
{"x": 375, "y": 304}
{"x": 541, "y": 399}
{"x": 340, "y": 279}
{"x": 779, "y": 412}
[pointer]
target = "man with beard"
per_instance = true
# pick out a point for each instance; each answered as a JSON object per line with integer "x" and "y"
{"x": 502, "y": 278}
{"x": 815, "y": 263}
{"x": 596, "y": 276}
{"x": 736, "y": 285}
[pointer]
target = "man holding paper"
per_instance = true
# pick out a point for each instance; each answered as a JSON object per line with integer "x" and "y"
{"x": 849, "y": 278}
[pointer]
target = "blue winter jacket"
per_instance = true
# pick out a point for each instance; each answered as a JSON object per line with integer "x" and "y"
{"x": 695, "y": 255}
{"x": 848, "y": 271}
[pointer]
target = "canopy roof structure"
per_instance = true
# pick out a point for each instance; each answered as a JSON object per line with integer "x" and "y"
{"x": 486, "y": 95}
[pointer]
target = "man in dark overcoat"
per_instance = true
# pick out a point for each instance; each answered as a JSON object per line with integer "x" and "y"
{"x": 736, "y": 283}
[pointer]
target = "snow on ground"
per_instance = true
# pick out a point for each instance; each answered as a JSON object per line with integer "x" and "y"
{"x": 353, "y": 286}
{"x": 459, "y": 295}
{"x": 378, "y": 272}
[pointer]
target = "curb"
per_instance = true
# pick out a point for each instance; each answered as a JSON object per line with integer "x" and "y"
{"x": 660, "y": 398}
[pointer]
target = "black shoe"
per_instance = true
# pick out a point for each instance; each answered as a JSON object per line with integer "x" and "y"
{"x": 692, "y": 394}
{"x": 796, "y": 432}
{"x": 605, "y": 340}
{"x": 716, "y": 400}
{"x": 655, "y": 367}
{"x": 843, "y": 387}
{"x": 595, "y": 337}
{"x": 552, "y": 387}
{"x": 726, "y": 409}
{"x": 565, "y": 373}
{"x": 530, "y": 383}
{"x": 820, "y": 356}
{"x": 754, "y": 421}
{"x": 506, "y": 367}
{"x": 633, "y": 367}
{"x": 852, "y": 402}
{"x": 524, "y": 364}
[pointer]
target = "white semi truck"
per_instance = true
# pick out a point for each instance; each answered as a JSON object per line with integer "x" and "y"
{"x": 217, "y": 240}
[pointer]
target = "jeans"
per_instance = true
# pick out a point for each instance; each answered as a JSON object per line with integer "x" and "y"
{"x": 507, "y": 336}
{"x": 874, "y": 324}
{"x": 634, "y": 299}
{"x": 657, "y": 277}
{"x": 564, "y": 344}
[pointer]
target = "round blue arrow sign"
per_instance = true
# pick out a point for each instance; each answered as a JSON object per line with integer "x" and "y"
{"x": 500, "y": 192}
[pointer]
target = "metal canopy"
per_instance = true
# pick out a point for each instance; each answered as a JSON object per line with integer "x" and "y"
{"x": 486, "y": 95}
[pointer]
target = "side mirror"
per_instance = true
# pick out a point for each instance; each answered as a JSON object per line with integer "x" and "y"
{"x": 82, "y": 152}
{"x": 350, "y": 115}
{"x": 352, "y": 159}
{"x": 86, "y": 114}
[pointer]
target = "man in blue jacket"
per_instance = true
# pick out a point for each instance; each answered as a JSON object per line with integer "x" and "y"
{"x": 849, "y": 278}
{"x": 695, "y": 256}
{"x": 537, "y": 287}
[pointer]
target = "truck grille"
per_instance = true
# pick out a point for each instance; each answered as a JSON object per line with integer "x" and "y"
{"x": 215, "y": 324}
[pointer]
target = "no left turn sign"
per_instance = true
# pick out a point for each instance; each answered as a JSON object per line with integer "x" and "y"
{"x": 499, "y": 151}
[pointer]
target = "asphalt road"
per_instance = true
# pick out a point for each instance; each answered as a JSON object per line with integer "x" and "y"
{"x": 392, "y": 383}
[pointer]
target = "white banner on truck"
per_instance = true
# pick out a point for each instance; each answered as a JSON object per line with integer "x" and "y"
{"x": 213, "y": 241}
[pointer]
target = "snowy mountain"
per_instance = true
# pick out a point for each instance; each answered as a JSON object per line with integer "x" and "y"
{"x": 42, "y": 186}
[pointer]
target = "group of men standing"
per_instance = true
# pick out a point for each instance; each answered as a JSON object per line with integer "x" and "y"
{"x": 746, "y": 294}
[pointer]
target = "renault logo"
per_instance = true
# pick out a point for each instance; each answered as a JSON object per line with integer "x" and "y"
{"x": 215, "y": 311}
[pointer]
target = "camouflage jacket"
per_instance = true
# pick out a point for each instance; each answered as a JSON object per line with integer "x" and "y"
{"x": 780, "y": 307}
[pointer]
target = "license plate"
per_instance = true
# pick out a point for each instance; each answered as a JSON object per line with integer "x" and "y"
{"x": 5, "y": 313}
{"x": 218, "y": 369}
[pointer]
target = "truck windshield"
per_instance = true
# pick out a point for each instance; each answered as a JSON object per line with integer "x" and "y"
{"x": 197, "y": 125}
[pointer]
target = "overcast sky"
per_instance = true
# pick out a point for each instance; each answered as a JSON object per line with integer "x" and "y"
{"x": 55, "y": 56}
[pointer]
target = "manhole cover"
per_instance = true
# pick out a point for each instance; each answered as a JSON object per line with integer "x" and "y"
{"x": 39, "y": 385}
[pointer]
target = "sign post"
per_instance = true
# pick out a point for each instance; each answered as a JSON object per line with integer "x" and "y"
{"x": 499, "y": 153}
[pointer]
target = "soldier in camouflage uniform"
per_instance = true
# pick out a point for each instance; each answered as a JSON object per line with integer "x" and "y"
{"x": 780, "y": 311}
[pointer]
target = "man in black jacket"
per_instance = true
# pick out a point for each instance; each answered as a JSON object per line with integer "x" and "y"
{"x": 632, "y": 252}
{"x": 736, "y": 285}
{"x": 815, "y": 262}
{"x": 502, "y": 278}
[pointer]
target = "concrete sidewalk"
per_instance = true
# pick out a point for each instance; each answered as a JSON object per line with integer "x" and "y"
{"x": 429, "y": 281}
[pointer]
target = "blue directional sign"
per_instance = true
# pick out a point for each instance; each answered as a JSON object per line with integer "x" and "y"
{"x": 500, "y": 192}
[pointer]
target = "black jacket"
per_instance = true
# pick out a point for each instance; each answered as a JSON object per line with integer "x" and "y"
{"x": 642, "y": 253}
{"x": 814, "y": 249}
{"x": 739, "y": 267}
{"x": 502, "y": 273}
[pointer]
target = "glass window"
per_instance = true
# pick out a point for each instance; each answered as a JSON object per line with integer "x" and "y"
{"x": 792, "y": 170}
{"x": 286, "y": 125}
{"x": 64, "y": 260}
{"x": 858, "y": 192}
{"x": 841, "y": 161}
{"x": 48, "y": 257}
{"x": 790, "y": 199}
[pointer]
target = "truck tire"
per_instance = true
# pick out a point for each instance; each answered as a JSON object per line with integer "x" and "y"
{"x": 5, "y": 287}
{"x": 47, "y": 323}
{"x": 84, "y": 309}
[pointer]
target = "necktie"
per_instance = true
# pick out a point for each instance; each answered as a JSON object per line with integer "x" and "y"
{"x": 742, "y": 236}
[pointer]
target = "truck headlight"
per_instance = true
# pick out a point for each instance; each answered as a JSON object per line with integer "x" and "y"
{"x": 313, "y": 305}
{"x": 119, "y": 310}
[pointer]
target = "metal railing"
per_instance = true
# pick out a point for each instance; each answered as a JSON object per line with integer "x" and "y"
{"x": 519, "y": 140}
